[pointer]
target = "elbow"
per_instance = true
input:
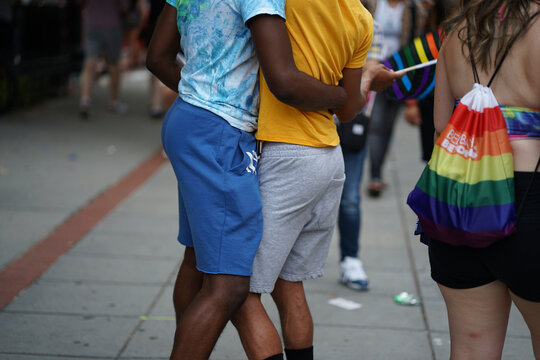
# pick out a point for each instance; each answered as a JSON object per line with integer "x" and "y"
{"x": 283, "y": 87}
{"x": 285, "y": 95}
{"x": 283, "y": 91}
{"x": 347, "y": 114}
{"x": 152, "y": 63}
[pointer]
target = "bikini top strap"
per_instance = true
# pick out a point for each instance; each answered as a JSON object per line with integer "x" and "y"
{"x": 514, "y": 38}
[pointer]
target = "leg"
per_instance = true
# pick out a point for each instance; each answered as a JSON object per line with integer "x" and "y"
{"x": 381, "y": 127}
{"x": 530, "y": 311}
{"x": 349, "y": 208}
{"x": 114, "y": 73}
{"x": 257, "y": 332}
{"x": 88, "y": 75}
{"x": 349, "y": 221}
{"x": 156, "y": 98}
{"x": 294, "y": 314}
{"x": 478, "y": 319}
{"x": 204, "y": 319}
{"x": 113, "y": 45}
{"x": 188, "y": 283}
{"x": 427, "y": 128}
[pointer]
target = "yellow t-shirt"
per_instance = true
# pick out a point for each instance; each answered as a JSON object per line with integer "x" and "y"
{"x": 326, "y": 37}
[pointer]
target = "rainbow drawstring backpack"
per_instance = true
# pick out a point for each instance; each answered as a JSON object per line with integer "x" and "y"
{"x": 465, "y": 195}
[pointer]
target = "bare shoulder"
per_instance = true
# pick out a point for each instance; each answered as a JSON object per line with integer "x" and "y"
{"x": 532, "y": 49}
{"x": 456, "y": 65}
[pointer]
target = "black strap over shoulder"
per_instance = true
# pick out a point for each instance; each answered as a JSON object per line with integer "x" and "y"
{"x": 510, "y": 44}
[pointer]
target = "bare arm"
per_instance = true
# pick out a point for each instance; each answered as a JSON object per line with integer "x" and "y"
{"x": 286, "y": 82}
{"x": 356, "y": 99}
{"x": 378, "y": 77}
{"x": 165, "y": 44}
{"x": 444, "y": 101}
{"x": 358, "y": 82}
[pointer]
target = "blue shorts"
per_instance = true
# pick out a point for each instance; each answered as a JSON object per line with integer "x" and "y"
{"x": 98, "y": 42}
{"x": 218, "y": 188}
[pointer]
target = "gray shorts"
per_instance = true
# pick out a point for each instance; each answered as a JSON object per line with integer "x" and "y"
{"x": 300, "y": 190}
{"x": 98, "y": 42}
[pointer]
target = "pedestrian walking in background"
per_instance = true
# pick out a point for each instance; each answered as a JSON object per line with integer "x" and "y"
{"x": 479, "y": 284}
{"x": 349, "y": 215}
{"x": 420, "y": 112}
{"x": 103, "y": 31}
{"x": 401, "y": 21}
{"x": 161, "y": 97}
{"x": 208, "y": 137}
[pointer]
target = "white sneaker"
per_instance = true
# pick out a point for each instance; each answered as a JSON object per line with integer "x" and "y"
{"x": 84, "y": 107}
{"x": 353, "y": 274}
{"x": 118, "y": 107}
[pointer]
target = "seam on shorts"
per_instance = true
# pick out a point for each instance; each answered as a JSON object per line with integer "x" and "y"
{"x": 225, "y": 196}
{"x": 296, "y": 278}
{"x": 261, "y": 290}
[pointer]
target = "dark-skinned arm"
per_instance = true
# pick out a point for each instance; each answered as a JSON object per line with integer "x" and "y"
{"x": 358, "y": 82}
{"x": 165, "y": 44}
{"x": 356, "y": 98}
{"x": 288, "y": 84}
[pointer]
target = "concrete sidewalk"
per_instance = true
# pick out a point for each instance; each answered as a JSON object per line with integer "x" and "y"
{"x": 109, "y": 296}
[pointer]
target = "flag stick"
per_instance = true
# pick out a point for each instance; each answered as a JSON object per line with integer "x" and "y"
{"x": 419, "y": 66}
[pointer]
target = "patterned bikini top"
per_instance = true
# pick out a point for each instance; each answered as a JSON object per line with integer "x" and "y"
{"x": 521, "y": 122}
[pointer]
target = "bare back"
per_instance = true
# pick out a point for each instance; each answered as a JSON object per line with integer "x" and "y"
{"x": 517, "y": 84}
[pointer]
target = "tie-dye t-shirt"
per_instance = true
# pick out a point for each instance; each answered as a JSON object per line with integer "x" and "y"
{"x": 220, "y": 74}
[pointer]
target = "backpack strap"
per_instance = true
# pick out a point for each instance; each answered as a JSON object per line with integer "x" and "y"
{"x": 510, "y": 43}
{"x": 471, "y": 57}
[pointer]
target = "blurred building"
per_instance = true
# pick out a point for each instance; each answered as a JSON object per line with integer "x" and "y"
{"x": 40, "y": 48}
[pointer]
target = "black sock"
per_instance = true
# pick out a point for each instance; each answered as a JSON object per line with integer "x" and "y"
{"x": 300, "y": 354}
{"x": 275, "y": 357}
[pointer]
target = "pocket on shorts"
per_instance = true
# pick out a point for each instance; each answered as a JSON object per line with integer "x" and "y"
{"x": 238, "y": 154}
{"x": 328, "y": 206}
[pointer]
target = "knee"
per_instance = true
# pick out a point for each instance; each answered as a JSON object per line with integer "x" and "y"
{"x": 230, "y": 291}
{"x": 189, "y": 259}
{"x": 350, "y": 204}
{"x": 238, "y": 295}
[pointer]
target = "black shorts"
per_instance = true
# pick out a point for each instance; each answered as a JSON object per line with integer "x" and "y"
{"x": 514, "y": 260}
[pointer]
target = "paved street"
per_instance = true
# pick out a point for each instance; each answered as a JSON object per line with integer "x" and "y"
{"x": 88, "y": 222}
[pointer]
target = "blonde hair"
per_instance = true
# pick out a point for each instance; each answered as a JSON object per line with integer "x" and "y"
{"x": 489, "y": 25}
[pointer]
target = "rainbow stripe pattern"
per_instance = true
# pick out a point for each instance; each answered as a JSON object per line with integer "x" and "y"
{"x": 416, "y": 84}
{"x": 465, "y": 195}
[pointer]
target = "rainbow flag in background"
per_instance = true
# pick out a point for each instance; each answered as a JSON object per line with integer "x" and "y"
{"x": 465, "y": 195}
{"x": 416, "y": 84}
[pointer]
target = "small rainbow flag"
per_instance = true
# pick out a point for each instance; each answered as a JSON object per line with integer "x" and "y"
{"x": 465, "y": 195}
{"x": 418, "y": 83}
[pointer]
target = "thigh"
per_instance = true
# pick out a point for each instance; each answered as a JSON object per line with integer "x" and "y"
{"x": 92, "y": 43}
{"x": 310, "y": 250}
{"x": 383, "y": 114}
{"x": 516, "y": 259}
{"x": 530, "y": 311}
{"x": 354, "y": 167}
{"x": 458, "y": 267}
{"x": 477, "y": 320}
{"x": 113, "y": 44}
